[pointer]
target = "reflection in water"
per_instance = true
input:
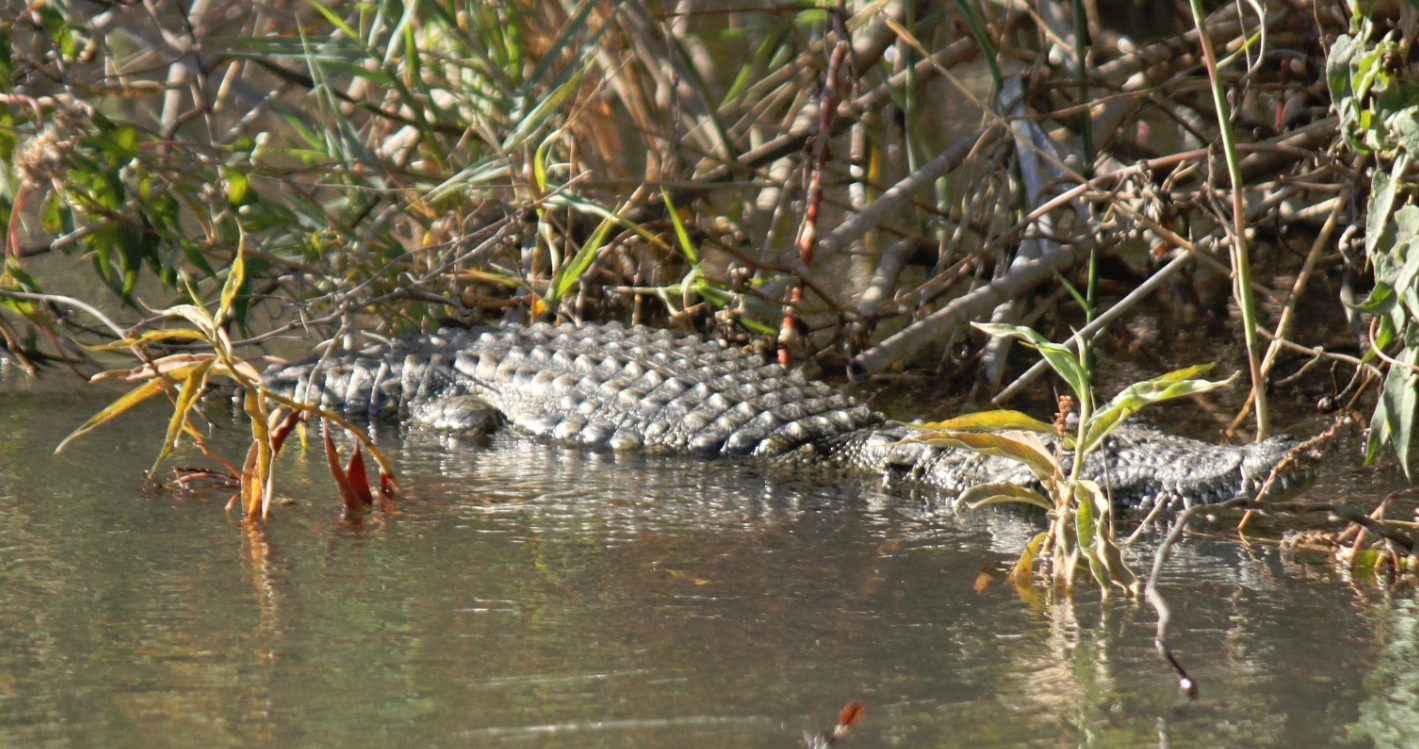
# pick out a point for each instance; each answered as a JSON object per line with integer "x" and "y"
{"x": 1389, "y": 713}
{"x": 532, "y": 595}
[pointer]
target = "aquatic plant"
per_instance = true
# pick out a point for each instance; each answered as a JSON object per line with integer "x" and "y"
{"x": 1081, "y": 527}
{"x": 184, "y": 377}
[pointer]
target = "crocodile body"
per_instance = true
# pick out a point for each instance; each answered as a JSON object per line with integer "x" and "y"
{"x": 605, "y": 386}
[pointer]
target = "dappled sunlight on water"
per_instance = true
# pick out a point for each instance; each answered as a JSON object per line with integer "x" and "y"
{"x": 533, "y": 595}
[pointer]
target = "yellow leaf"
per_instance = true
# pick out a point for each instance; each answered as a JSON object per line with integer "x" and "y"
{"x": 1020, "y": 575}
{"x": 260, "y": 474}
{"x": 477, "y": 276}
{"x": 1024, "y": 447}
{"x": 235, "y": 275}
{"x": 992, "y": 420}
{"x": 192, "y": 387}
{"x": 195, "y": 315}
{"x": 151, "y": 336}
{"x": 171, "y": 367}
{"x": 981, "y": 495}
{"x": 126, "y": 401}
{"x": 250, "y": 488}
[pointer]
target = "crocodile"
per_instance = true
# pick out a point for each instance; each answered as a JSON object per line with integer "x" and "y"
{"x": 634, "y": 388}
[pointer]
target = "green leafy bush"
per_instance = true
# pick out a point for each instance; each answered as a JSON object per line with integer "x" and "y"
{"x": 1377, "y": 99}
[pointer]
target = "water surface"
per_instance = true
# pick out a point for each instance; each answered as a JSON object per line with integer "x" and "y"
{"x": 527, "y": 595}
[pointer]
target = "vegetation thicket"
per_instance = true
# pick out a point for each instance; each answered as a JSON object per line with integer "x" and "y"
{"x": 851, "y": 183}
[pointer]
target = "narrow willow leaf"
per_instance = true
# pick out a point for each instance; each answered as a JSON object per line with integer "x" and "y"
{"x": 1118, "y": 571}
{"x": 1003, "y": 492}
{"x": 235, "y": 276}
{"x": 992, "y": 420}
{"x": 1142, "y": 394}
{"x": 196, "y": 315}
{"x": 123, "y": 403}
{"x": 1024, "y": 447}
{"x": 250, "y": 488}
{"x": 242, "y": 372}
{"x": 1091, "y": 529}
{"x": 259, "y": 498}
{"x": 1059, "y": 357}
{"x": 173, "y": 366}
{"x": 283, "y": 430}
{"x": 384, "y": 465}
{"x": 1098, "y": 570}
{"x": 491, "y": 277}
{"x": 192, "y": 388}
{"x": 151, "y": 336}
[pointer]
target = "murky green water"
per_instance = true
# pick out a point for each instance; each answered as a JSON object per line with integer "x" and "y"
{"x": 536, "y": 596}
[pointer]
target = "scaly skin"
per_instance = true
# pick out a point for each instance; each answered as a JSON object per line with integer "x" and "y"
{"x": 605, "y": 386}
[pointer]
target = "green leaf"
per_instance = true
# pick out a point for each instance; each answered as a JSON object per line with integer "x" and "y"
{"x": 118, "y": 142}
{"x": 1176, "y": 384}
{"x": 55, "y": 216}
{"x": 539, "y": 160}
{"x": 239, "y": 191}
{"x": 1365, "y": 561}
{"x": 1393, "y": 420}
{"x": 57, "y": 28}
{"x": 1379, "y": 302}
{"x": 1083, "y": 517}
{"x": 571, "y": 271}
{"x": 1379, "y": 232}
{"x": 1059, "y": 357}
{"x": 681, "y": 236}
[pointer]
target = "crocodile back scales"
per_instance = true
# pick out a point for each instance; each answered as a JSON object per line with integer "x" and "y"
{"x": 600, "y": 386}
{"x": 636, "y": 388}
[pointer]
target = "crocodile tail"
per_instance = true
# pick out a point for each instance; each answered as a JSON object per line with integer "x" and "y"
{"x": 410, "y": 377}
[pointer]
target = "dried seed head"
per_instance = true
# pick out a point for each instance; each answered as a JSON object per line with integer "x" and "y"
{"x": 40, "y": 158}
